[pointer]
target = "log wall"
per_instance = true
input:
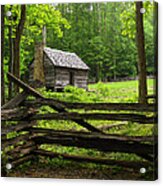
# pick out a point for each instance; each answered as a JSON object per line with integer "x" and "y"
{"x": 81, "y": 78}
{"x": 63, "y": 77}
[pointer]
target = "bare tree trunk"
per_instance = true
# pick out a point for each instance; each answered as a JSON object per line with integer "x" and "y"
{"x": 156, "y": 38}
{"x": 156, "y": 72}
{"x": 44, "y": 36}
{"x": 10, "y": 65}
{"x": 2, "y": 56}
{"x": 141, "y": 54}
{"x": 19, "y": 31}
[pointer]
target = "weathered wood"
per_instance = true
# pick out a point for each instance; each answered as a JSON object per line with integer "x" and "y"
{"x": 97, "y": 160}
{"x": 17, "y": 114}
{"x": 63, "y": 133}
{"x": 94, "y": 106}
{"x": 22, "y": 152}
{"x": 19, "y": 127}
{"x": 19, "y": 147}
{"x": 14, "y": 141}
{"x": 16, "y": 101}
{"x": 105, "y": 145}
{"x": 112, "y": 106}
{"x": 107, "y": 127}
{"x": 23, "y": 85}
{"x": 59, "y": 109}
{"x": 111, "y": 126}
{"x": 22, "y": 160}
{"x": 141, "y": 119}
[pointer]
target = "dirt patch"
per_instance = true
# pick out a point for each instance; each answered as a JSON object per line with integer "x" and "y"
{"x": 76, "y": 171}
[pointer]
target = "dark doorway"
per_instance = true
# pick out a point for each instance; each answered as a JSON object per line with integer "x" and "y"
{"x": 71, "y": 78}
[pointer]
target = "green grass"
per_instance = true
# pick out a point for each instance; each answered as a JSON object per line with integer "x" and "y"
{"x": 113, "y": 92}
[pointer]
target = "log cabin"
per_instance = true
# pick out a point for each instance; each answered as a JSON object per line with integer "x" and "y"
{"x": 60, "y": 68}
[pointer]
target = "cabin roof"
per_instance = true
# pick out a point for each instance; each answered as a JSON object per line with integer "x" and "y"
{"x": 65, "y": 59}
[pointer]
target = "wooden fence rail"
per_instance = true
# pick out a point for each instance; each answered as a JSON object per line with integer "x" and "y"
{"x": 25, "y": 146}
{"x": 23, "y": 114}
{"x": 93, "y": 106}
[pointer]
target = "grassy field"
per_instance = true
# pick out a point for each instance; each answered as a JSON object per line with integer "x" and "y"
{"x": 118, "y": 92}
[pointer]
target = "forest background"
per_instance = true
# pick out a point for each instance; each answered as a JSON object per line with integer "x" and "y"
{"x": 103, "y": 35}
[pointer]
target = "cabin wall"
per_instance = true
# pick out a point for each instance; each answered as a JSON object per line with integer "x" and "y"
{"x": 59, "y": 77}
{"x": 75, "y": 77}
{"x": 81, "y": 79}
{"x": 62, "y": 77}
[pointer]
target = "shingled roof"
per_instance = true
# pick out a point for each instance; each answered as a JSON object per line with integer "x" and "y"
{"x": 65, "y": 59}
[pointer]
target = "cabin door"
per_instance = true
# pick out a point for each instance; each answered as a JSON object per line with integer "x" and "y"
{"x": 71, "y": 78}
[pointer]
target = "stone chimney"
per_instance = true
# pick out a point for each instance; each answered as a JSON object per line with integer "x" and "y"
{"x": 38, "y": 71}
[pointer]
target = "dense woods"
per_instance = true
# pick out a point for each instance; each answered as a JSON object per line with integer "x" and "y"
{"x": 110, "y": 32}
{"x": 105, "y": 29}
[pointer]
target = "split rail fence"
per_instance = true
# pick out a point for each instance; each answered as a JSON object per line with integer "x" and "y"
{"x": 20, "y": 115}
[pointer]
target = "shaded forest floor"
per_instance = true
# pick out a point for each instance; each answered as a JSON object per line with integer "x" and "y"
{"x": 72, "y": 170}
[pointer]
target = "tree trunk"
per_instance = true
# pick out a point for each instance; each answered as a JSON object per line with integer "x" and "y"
{"x": 44, "y": 36}
{"x": 19, "y": 31}
{"x": 2, "y": 56}
{"x": 156, "y": 47}
{"x": 10, "y": 65}
{"x": 141, "y": 54}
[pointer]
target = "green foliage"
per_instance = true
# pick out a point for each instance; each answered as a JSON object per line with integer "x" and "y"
{"x": 37, "y": 16}
{"x": 103, "y": 35}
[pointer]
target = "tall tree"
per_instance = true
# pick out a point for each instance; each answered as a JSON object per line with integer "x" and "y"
{"x": 2, "y": 56}
{"x": 141, "y": 54}
{"x": 10, "y": 65}
{"x": 19, "y": 31}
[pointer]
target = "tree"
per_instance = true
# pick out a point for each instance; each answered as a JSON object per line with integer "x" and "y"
{"x": 141, "y": 54}
{"x": 18, "y": 35}
{"x": 102, "y": 35}
{"x": 27, "y": 23}
{"x": 2, "y": 57}
{"x": 11, "y": 55}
